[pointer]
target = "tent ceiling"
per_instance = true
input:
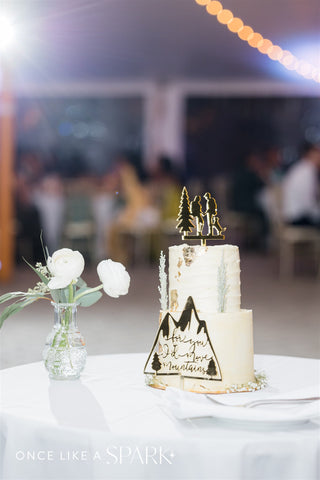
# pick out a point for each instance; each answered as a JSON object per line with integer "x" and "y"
{"x": 98, "y": 40}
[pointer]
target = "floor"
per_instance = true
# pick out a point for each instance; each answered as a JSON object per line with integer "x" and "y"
{"x": 286, "y": 314}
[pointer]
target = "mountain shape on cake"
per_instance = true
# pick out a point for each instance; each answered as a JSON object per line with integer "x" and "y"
{"x": 183, "y": 347}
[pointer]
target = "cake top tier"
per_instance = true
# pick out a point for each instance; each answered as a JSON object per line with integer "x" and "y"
{"x": 209, "y": 274}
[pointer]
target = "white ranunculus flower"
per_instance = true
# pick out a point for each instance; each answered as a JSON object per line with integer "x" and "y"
{"x": 115, "y": 278}
{"x": 65, "y": 265}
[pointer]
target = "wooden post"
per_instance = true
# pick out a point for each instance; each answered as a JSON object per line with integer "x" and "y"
{"x": 6, "y": 174}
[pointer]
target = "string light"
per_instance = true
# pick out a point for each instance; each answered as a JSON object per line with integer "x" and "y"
{"x": 256, "y": 40}
{"x": 245, "y": 33}
{"x": 275, "y": 52}
{"x": 265, "y": 46}
{"x": 235, "y": 25}
{"x": 214, "y": 8}
{"x": 202, "y": 2}
{"x": 224, "y": 16}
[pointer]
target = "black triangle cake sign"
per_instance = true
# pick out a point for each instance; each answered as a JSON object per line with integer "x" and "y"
{"x": 183, "y": 348}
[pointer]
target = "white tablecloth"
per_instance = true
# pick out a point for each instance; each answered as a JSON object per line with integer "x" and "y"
{"x": 109, "y": 425}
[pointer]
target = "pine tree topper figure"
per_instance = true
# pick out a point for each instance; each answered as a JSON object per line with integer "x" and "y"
{"x": 185, "y": 225}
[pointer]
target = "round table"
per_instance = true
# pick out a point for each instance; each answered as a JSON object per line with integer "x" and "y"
{"x": 110, "y": 425}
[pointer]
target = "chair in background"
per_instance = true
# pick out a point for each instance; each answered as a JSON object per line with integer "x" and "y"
{"x": 241, "y": 227}
{"x": 286, "y": 239}
{"x": 292, "y": 237}
{"x": 79, "y": 229}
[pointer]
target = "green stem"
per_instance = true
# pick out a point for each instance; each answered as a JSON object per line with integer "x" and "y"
{"x": 71, "y": 300}
{"x": 90, "y": 290}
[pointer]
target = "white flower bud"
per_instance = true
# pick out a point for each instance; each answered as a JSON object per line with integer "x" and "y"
{"x": 115, "y": 278}
{"x": 66, "y": 266}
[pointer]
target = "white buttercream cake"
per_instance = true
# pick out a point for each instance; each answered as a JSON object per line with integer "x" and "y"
{"x": 205, "y": 340}
{"x": 194, "y": 270}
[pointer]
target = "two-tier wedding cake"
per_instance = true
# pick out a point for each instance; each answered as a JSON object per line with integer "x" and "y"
{"x": 205, "y": 340}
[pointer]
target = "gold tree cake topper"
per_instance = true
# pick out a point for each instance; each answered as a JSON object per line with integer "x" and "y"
{"x": 189, "y": 212}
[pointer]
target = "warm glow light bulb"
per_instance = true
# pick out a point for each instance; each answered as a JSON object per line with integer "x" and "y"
{"x": 225, "y": 16}
{"x": 275, "y": 52}
{"x": 202, "y": 2}
{"x": 235, "y": 25}
{"x": 265, "y": 46}
{"x": 7, "y": 33}
{"x": 245, "y": 33}
{"x": 214, "y": 8}
{"x": 255, "y": 40}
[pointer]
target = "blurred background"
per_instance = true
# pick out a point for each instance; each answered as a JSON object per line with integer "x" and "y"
{"x": 109, "y": 107}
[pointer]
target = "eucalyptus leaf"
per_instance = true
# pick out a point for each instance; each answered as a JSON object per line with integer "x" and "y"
{"x": 82, "y": 289}
{"x": 8, "y": 311}
{"x": 90, "y": 299}
{"x": 44, "y": 279}
{"x": 9, "y": 296}
{"x": 15, "y": 308}
{"x": 81, "y": 284}
{"x": 15, "y": 295}
{"x": 65, "y": 294}
{"x": 59, "y": 295}
{"x": 55, "y": 295}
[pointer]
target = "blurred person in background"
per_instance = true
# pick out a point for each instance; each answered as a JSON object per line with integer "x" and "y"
{"x": 272, "y": 165}
{"x": 49, "y": 199}
{"x": 27, "y": 217}
{"x": 165, "y": 188}
{"x": 138, "y": 216}
{"x": 78, "y": 226}
{"x": 104, "y": 208}
{"x": 247, "y": 188}
{"x": 300, "y": 189}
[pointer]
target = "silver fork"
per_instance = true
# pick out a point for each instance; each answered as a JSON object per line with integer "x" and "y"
{"x": 271, "y": 401}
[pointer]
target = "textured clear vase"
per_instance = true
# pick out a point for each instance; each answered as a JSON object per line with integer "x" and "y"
{"x": 64, "y": 353}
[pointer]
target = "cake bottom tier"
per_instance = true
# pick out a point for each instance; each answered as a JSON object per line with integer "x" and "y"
{"x": 212, "y": 353}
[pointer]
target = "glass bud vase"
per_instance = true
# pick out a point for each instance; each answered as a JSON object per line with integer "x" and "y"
{"x": 64, "y": 353}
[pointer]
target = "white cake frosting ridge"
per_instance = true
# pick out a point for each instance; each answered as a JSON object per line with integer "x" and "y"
{"x": 210, "y": 274}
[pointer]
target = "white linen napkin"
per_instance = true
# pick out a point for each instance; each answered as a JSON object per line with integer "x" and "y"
{"x": 184, "y": 404}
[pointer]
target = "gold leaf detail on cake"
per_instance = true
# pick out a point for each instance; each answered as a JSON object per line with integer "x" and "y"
{"x": 174, "y": 300}
{"x": 188, "y": 255}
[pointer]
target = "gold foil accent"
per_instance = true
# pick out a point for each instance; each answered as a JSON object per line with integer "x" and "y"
{"x": 174, "y": 300}
{"x": 188, "y": 255}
